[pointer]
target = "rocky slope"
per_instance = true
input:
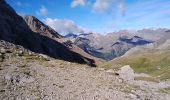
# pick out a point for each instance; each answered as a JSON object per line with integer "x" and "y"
{"x": 14, "y": 29}
{"x": 39, "y": 27}
{"x": 27, "y": 75}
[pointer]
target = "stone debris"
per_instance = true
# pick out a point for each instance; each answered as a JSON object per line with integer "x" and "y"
{"x": 110, "y": 71}
{"x": 38, "y": 79}
{"x": 44, "y": 56}
{"x": 2, "y": 50}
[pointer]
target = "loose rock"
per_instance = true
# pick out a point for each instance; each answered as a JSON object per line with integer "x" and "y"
{"x": 2, "y": 50}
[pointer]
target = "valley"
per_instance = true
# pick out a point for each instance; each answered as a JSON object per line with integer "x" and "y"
{"x": 39, "y": 63}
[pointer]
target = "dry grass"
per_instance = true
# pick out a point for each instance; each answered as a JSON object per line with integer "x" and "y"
{"x": 156, "y": 64}
{"x": 149, "y": 79}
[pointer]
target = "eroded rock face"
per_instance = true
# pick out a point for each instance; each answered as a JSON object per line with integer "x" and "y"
{"x": 126, "y": 73}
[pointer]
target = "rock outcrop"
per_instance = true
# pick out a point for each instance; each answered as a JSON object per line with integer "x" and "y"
{"x": 126, "y": 73}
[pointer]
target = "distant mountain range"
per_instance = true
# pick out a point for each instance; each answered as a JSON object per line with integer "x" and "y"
{"x": 115, "y": 44}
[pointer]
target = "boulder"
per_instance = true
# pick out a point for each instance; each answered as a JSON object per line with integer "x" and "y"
{"x": 19, "y": 78}
{"x": 20, "y": 53}
{"x": 44, "y": 56}
{"x": 126, "y": 73}
{"x": 2, "y": 50}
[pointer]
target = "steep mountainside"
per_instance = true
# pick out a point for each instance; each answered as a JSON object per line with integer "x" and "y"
{"x": 37, "y": 26}
{"x": 14, "y": 29}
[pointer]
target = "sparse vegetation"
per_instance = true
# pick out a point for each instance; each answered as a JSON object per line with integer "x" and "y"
{"x": 156, "y": 64}
{"x": 165, "y": 90}
{"x": 149, "y": 79}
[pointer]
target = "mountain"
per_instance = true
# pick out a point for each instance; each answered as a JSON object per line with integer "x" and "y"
{"x": 37, "y": 26}
{"x": 109, "y": 46}
{"x": 123, "y": 44}
{"x": 153, "y": 59}
{"x": 71, "y": 35}
{"x": 39, "y": 39}
{"x": 44, "y": 30}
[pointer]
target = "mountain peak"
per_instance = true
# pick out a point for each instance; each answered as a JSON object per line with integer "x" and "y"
{"x": 37, "y": 26}
{"x": 31, "y": 18}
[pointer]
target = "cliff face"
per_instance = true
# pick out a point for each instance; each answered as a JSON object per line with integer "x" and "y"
{"x": 14, "y": 29}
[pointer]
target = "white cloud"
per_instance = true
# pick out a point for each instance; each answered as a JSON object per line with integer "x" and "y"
{"x": 76, "y": 3}
{"x": 22, "y": 4}
{"x": 64, "y": 26}
{"x": 101, "y": 5}
{"x": 42, "y": 11}
{"x": 108, "y": 5}
{"x": 121, "y": 6}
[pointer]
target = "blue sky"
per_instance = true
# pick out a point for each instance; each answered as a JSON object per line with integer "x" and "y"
{"x": 100, "y": 16}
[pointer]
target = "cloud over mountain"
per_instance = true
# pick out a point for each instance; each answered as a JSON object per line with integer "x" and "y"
{"x": 76, "y": 3}
{"x": 43, "y": 11}
{"x": 64, "y": 25}
{"x": 101, "y": 5}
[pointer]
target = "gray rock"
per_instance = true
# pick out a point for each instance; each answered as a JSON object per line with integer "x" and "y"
{"x": 30, "y": 53}
{"x": 20, "y": 53}
{"x": 7, "y": 77}
{"x": 2, "y": 50}
{"x": 126, "y": 73}
{"x": 132, "y": 96}
{"x": 110, "y": 71}
{"x": 19, "y": 79}
{"x": 43, "y": 56}
{"x": 101, "y": 69}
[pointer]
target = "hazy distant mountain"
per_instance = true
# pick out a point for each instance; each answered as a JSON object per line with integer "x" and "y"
{"x": 35, "y": 36}
{"x": 109, "y": 46}
{"x": 123, "y": 44}
{"x": 153, "y": 59}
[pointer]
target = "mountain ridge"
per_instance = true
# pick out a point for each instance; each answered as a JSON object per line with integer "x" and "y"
{"x": 14, "y": 29}
{"x": 106, "y": 47}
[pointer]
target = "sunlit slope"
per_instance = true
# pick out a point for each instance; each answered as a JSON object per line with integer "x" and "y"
{"x": 153, "y": 59}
